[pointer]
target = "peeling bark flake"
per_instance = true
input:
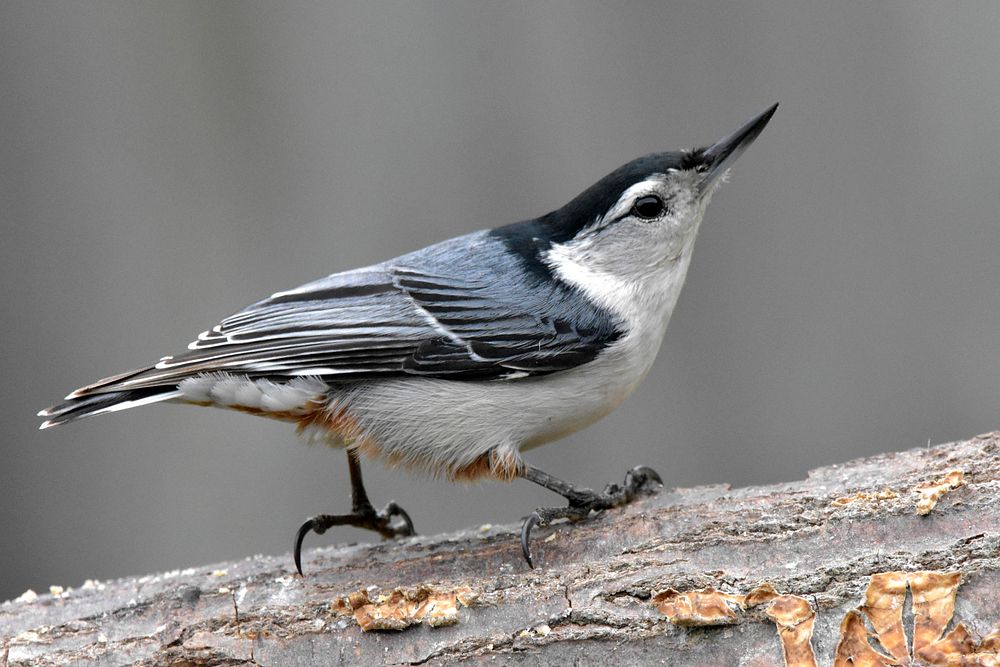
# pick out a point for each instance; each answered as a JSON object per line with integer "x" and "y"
{"x": 854, "y": 649}
{"x": 931, "y": 492}
{"x": 933, "y": 595}
{"x": 933, "y": 606}
{"x": 795, "y": 619}
{"x": 865, "y": 497}
{"x": 884, "y": 608}
{"x": 699, "y": 608}
{"x": 402, "y": 608}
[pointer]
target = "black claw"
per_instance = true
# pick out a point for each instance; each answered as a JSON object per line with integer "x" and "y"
{"x": 304, "y": 530}
{"x": 363, "y": 517}
{"x": 391, "y": 510}
{"x": 645, "y": 473}
{"x": 530, "y": 522}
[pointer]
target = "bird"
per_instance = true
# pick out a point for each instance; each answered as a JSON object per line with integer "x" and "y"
{"x": 457, "y": 358}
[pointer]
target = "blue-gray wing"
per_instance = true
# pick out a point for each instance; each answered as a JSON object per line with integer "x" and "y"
{"x": 396, "y": 320}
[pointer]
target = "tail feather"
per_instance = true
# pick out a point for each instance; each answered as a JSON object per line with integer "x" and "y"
{"x": 105, "y": 384}
{"x": 98, "y": 404}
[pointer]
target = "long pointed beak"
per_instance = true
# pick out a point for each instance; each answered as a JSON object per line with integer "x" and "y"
{"x": 718, "y": 157}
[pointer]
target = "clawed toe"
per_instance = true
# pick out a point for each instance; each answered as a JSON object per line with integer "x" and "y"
{"x": 381, "y": 522}
{"x": 637, "y": 480}
{"x": 543, "y": 516}
{"x": 402, "y": 528}
{"x": 530, "y": 522}
{"x": 641, "y": 475}
{"x": 308, "y": 526}
{"x": 583, "y": 501}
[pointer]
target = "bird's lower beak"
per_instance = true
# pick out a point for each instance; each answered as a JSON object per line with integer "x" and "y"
{"x": 718, "y": 157}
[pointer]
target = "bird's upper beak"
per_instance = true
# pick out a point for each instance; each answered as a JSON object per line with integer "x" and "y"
{"x": 718, "y": 157}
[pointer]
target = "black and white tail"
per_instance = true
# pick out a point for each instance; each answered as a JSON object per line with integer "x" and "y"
{"x": 79, "y": 407}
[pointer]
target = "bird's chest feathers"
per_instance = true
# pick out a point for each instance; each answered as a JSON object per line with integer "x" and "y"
{"x": 642, "y": 303}
{"x": 600, "y": 386}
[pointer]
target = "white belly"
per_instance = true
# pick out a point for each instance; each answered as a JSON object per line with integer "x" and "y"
{"x": 452, "y": 423}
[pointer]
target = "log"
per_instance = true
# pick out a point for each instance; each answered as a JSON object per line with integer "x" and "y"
{"x": 888, "y": 560}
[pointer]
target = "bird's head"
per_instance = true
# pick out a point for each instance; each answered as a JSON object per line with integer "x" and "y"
{"x": 633, "y": 230}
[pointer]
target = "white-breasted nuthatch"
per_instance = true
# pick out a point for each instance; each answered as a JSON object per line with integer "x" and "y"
{"x": 455, "y": 358}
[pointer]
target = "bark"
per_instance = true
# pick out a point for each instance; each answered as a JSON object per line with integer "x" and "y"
{"x": 630, "y": 585}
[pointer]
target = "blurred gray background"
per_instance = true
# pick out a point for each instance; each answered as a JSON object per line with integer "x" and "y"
{"x": 163, "y": 165}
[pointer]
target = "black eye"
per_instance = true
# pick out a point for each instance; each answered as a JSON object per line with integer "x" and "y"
{"x": 648, "y": 207}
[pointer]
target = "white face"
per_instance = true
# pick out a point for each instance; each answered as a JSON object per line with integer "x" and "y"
{"x": 652, "y": 225}
{"x": 636, "y": 254}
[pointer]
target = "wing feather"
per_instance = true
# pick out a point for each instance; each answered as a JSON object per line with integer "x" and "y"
{"x": 391, "y": 320}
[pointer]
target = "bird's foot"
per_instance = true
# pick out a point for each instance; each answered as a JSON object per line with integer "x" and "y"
{"x": 583, "y": 501}
{"x": 363, "y": 517}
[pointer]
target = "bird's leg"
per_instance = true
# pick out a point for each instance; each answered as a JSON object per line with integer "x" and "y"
{"x": 581, "y": 501}
{"x": 363, "y": 515}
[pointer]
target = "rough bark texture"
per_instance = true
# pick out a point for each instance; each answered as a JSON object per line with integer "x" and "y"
{"x": 590, "y": 601}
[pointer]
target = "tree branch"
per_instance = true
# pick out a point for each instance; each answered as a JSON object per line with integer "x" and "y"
{"x": 625, "y": 586}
